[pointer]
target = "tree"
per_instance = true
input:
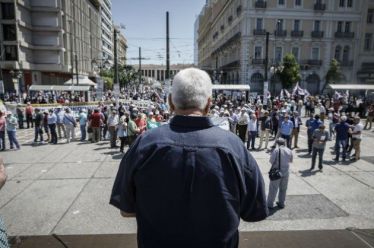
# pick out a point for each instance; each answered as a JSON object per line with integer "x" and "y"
{"x": 334, "y": 73}
{"x": 127, "y": 74}
{"x": 290, "y": 72}
{"x": 107, "y": 75}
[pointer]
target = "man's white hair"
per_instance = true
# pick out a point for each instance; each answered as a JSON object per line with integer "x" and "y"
{"x": 191, "y": 89}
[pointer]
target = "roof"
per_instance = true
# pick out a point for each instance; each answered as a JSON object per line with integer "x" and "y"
{"x": 352, "y": 86}
{"x": 59, "y": 88}
{"x": 231, "y": 87}
{"x": 83, "y": 81}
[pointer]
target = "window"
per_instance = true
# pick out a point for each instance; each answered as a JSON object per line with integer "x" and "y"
{"x": 7, "y": 10}
{"x": 368, "y": 41}
{"x": 258, "y": 52}
{"x": 259, "y": 23}
{"x": 278, "y": 54}
{"x": 318, "y": 2}
{"x": 280, "y": 2}
{"x": 315, "y": 53}
{"x": 296, "y": 25}
{"x": 349, "y": 3}
{"x": 317, "y": 25}
{"x": 230, "y": 19}
{"x": 9, "y": 32}
{"x": 239, "y": 10}
{"x": 342, "y": 3}
{"x": 346, "y": 54}
{"x": 10, "y": 52}
{"x": 340, "y": 27}
{"x": 338, "y": 51}
{"x": 295, "y": 52}
{"x": 348, "y": 27}
{"x": 370, "y": 16}
{"x": 297, "y": 2}
{"x": 279, "y": 25}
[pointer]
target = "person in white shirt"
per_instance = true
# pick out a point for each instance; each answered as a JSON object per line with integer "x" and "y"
{"x": 113, "y": 120}
{"x": 357, "y": 137}
{"x": 242, "y": 124}
{"x": 252, "y": 131}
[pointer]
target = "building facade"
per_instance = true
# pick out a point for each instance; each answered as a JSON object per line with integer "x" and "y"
{"x": 158, "y": 72}
{"x": 232, "y": 39}
{"x": 43, "y": 42}
{"x": 107, "y": 31}
{"x": 122, "y": 49}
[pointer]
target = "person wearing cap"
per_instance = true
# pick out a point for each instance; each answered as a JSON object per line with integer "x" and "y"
{"x": 286, "y": 128}
{"x": 281, "y": 157}
{"x": 189, "y": 182}
{"x": 112, "y": 128}
{"x": 152, "y": 122}
{"x": 320, "y": 137}
{"x": 252, "y": 132}
{"x": 11, "y": 127}
{"x": 29, "y": 110}
{"x": 342, "y": 131}
{"x": 357, "y": 137}
{"x": 70, "y": 124}
{"x": 52, "y": 122}
{"x": 83, "y": 123}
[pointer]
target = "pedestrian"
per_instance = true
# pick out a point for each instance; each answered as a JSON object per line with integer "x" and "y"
{"x": 312, "y": 124}
{"x": 286, "y": 130}
{"x": 60, "y": 122}
{"x": 370, "y": 117}
{"x": 38, "y": 125}
{"x": 20, "y": 116}
{"x": 112, "y": 127}
{"x": 122, "y": 131}
{"x": 242, "y": 125}
{"x": 45, "y": 125}
{"x": 11, "y": 127}
{"x": 3, "y": 234}
{"x": 152, "y": 122}
{"x": 357, "y": 137}
{"x": 2, "y": 130}
{"x": 70, "y": 124}
{"x": 189, "y": 182}
{"x": 297, "y": 122}
{"x": 320, "y": 137}
{"x": 52, "y": 124}
{"x": 29, "y": 110}
{"x": 96, "y": 120}
{"x": 265, "y": 129}
{"x": 342, "y": 131}
{"x": 280, "y": 158}
{"x": 83, "y": 124}
{"x": 132, "y": 129}
{"x": 104, "y": 123}
{"x": 252, "y": 131}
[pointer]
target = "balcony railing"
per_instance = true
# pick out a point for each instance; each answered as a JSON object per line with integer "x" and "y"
{"x": 260, "y": 4}
{"x": 259, "y": 32}
{"x": 317, "y": 34}
{"x": 314, "y": 62}
{"x": 347, "y": 35}
{"x": 320, "y": 7}
{"x": 258, "y": 61}
{"x": 297, "y": 33}
{"x": 280, "y": 33}
{"x": 346, "y": 63}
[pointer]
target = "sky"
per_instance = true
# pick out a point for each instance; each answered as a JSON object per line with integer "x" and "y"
{"x": 145, "y": 22}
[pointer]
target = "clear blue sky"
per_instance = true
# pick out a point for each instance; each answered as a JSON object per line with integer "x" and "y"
{"x": 145, "y": 22}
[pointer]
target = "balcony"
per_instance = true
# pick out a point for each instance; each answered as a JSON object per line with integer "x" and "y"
{"x": 260, "y": 5}
{"x": 297, "y": 33}
{"x": 280, "y": 33}
{"x": 259, "y": 32}
{"x": 319, "y": 7}
{"x": 258, "y": 61}
{"x": 344, "y": 35}
{"x": 346, "y": 63}
{"x": 313, "y": 62}
{"x": 317, "y": 34}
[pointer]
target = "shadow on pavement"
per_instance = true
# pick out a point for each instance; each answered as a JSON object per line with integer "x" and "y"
{"x": 308, "y": 173}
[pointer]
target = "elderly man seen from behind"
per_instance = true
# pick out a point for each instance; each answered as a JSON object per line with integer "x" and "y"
{"x": 189, "y": 182}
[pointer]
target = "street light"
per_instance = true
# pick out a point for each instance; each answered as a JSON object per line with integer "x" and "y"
{"x": 100, "y": 64}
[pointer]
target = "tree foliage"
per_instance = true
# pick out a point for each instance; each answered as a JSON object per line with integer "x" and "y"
{"x": 334, "y": 73}
{"x": 290, "y": 72}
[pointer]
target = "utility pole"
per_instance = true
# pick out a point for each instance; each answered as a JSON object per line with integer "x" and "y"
{"x": 266, "y": 57}
{"x": 71, "y": 52}
{"x": 116, "y": 80}
{"x": 76, "y": 68}
{"x": 167, "y": 47}
{"x": 140, "y": 65}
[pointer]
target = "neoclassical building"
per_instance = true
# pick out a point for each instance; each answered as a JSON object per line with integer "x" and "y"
{"x": 232, "y": 40}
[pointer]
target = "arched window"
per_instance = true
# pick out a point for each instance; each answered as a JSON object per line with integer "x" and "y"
{"x": 338, "y": 51}
{"x": 346, "y": 53}
{"x": 257, "y": 82}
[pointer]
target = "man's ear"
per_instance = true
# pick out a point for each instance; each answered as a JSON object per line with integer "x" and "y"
{"x": 171, "y": 104}
{"x": 207, "y": 107}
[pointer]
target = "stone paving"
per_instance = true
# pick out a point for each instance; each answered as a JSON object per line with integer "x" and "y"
{"x": 65, "y": 189}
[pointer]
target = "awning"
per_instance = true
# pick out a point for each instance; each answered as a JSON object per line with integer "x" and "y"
{"x": 59, "y": 88}
{"x": 231, "y": 87}
{"x": 352, "y": 86}
{"x": 82, "y": 81}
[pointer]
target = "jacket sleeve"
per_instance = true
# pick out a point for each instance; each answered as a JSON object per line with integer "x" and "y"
{"x": 253, "y": 201}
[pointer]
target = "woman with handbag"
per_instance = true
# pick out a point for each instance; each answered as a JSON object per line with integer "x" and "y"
{"x": 280, "y": 160}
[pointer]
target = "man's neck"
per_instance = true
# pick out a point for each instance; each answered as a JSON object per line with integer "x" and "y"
{"x": 189, "y": 112}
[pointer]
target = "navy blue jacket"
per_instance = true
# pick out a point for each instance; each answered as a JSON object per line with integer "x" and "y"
{"x": 189, "y": 182}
